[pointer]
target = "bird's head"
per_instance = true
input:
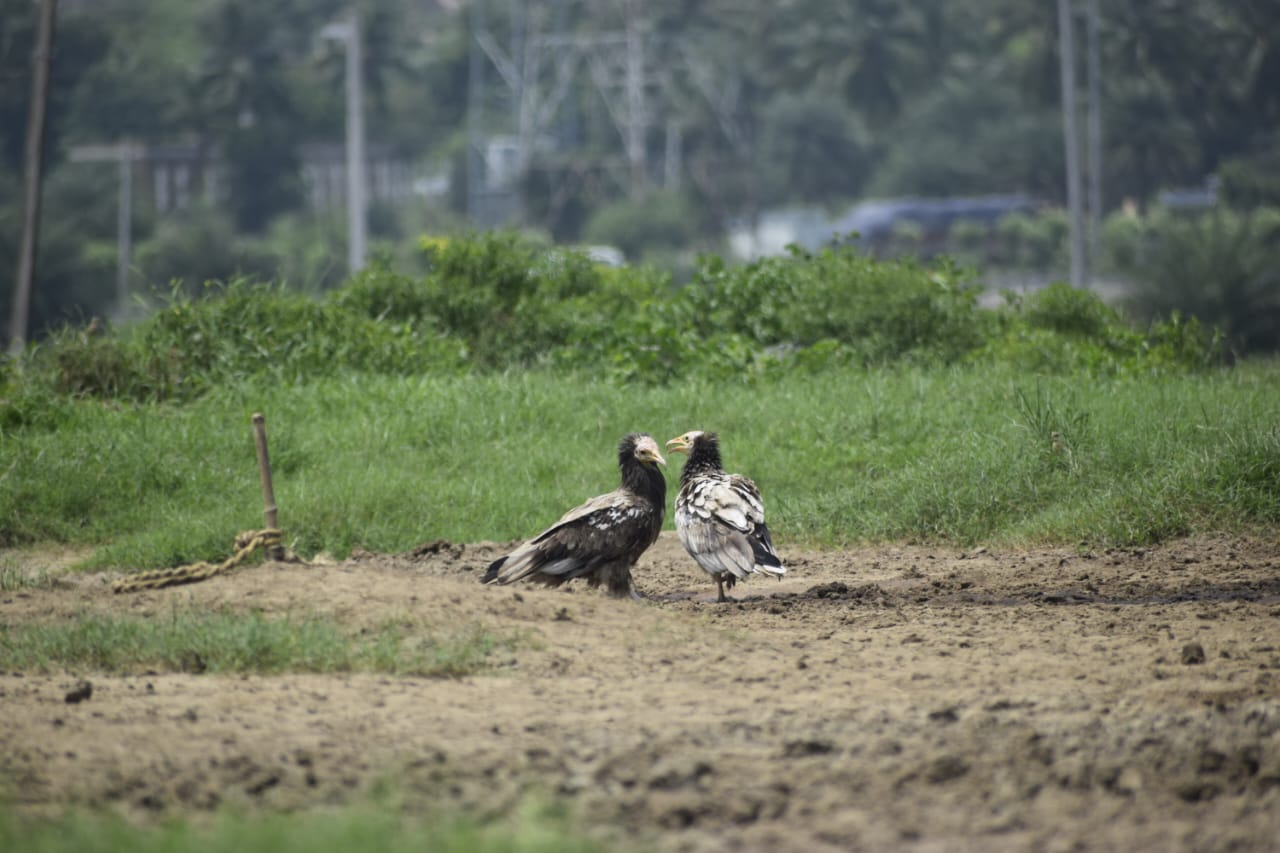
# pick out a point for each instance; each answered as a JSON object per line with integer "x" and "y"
{"x": 643, "y": 449}
{"x": 684, "y": 443}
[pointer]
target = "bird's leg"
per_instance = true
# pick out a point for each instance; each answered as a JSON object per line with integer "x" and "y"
{"x": 620, "y": 584}
{"x": 720, "y": 585}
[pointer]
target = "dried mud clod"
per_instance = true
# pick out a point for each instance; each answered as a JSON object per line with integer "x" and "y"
{"x": 82, "y": 691}
{"x": 438, "y": 547}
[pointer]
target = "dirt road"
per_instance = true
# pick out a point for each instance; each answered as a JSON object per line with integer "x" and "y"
{"x": 881, "y": 698}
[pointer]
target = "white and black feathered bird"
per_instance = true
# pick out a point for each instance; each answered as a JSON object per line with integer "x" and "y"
{"x": 720, "y": 517}
{"x": 602, "y": 539}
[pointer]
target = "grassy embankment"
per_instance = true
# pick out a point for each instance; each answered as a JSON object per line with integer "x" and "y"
{"x": 849, "y": 455}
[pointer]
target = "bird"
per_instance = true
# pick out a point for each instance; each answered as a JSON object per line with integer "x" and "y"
{"x": 720, "y": 516}
{"x": 602, "y": 539}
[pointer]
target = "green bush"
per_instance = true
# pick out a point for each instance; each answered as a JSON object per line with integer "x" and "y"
{"x": 970, "y": 239}
{"x": 1220, "y": 266}
{"x": 663, "y": 220}
{"x": 1034, "y": 242}
{"x": 1124, "y": 238}
{"x": 1061, "y": 330}
{"x": 198, "y": 246}
{"x": 1253, "y": 181}
{"x": 882, "y": 310}
{"x": 498, "y": 301}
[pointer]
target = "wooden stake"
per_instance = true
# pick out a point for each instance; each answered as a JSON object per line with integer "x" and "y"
{"x": 275, "y": 552}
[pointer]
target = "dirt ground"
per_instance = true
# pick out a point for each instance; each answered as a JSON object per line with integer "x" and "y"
{"x": 899, "y": 698}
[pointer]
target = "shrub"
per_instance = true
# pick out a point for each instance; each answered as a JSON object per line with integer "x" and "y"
{"x": 883, "y": 310}
{"x": 1061, "y": 329}
{"x": 1222, "y": 267}
{"x": 1251, "y": 182}
{"x": 969, "y": 239}
{"x": 663, "y": 220}
{"x": 1034, "y": 242}
{"x": 497, "y": 302}
{"x": 198, "y": 246}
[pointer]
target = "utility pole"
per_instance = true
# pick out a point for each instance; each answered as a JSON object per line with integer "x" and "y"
{"x": 475, "y": 103}
{"x": 1071, "y": 140}
{"x": 671, "y": 165}
{"x": 357, "y": 207}
{"x": 1094, "y": 121}
{"x": 124, "y": 155}
{"x": 348, "y": 32}
{"x": 32, "y": 178}
{"x": 124, "y": 228}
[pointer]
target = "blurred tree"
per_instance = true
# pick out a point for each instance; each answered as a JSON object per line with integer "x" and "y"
{"x": 811, "y": 150}
{"x": 663, "y": 220}
{"x": 80, "y": 43}
{"x": 139, "y": 89}
{"x": 875, "y": 53}
{"x": 1189, "y": 79}
{"x": 245, "y": 102}
{"x": 784, "y": 101}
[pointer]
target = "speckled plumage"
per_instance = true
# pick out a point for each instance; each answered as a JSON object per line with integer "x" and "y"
{"x": 720, "y": 516}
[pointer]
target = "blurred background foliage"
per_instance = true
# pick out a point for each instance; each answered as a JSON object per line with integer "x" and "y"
{"x": 494, "y": 301}
{"x": 808, "y": 103}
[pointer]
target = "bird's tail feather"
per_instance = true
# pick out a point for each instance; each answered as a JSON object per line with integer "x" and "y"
{"x": 776, "y": 571}
{"x": 767, "y": 559}
{"x": 491, "y": 574}
{"x": 518, "y": 565}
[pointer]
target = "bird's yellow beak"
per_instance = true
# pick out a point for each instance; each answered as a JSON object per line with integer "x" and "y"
{"x": 647, "y": 451}
{"x": 679, "y": 444}
{"x": 653, "y": 456}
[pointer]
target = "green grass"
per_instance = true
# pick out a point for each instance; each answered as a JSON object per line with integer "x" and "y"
{"x": 347, "y": 830}
{"x": 229, "y": 642}
{"x": 958, "y": 454}
{"x": 13, "y": 578}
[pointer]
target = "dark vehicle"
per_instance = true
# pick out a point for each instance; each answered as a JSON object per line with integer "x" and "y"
{"x": 873, "y": 223}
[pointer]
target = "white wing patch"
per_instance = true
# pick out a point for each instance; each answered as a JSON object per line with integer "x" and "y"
{"x": 613, "y": 516}
{"x": 732, "y": 500}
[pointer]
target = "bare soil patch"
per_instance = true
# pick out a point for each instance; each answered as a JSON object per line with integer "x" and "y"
{"x": 895, "y": 697}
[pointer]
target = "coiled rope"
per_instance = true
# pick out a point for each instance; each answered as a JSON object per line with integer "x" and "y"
{"x": 246, "y": 543}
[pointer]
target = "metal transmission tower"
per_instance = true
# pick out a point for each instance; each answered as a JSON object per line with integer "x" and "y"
{"x": 537, "y": 72}
{"x": 618, "y": 64}
{"x": 643, "y": 80}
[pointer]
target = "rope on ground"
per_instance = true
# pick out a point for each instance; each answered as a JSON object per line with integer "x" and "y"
{"x": 247, "y": 542}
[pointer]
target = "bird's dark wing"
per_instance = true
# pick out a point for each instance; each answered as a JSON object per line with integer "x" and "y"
{"x": 609, "y": 528}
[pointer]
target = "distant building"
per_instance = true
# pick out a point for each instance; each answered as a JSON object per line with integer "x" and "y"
{"x": 175, "y": 176}
{"x": 390, "y": 178}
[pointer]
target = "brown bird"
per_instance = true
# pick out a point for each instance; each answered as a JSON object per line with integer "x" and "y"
{"x": 602, "y": 539}
{"x": 720, "y": 516}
